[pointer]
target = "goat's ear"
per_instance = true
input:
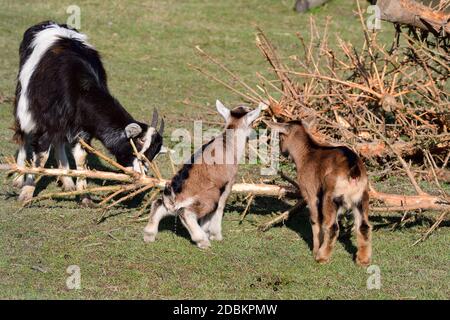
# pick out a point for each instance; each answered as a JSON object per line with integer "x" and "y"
{"x": 252, "y": 115}
{"x": 224, "y": 112}
{"x": 133, "y": 130}
{"x": 280, "y": 127}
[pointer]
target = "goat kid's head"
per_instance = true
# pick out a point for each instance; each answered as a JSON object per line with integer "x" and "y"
{"x": 238, "y": 118}
{"x": 147, "y": 139}
{"x": 289, "y": 133}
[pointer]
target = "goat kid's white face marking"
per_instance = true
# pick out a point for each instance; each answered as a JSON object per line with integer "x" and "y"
{"x": 42, "y": 41}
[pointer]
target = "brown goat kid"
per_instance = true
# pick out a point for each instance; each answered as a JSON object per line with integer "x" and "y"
{"x": 332, "y": 179}
{"x": 199, "y": 191}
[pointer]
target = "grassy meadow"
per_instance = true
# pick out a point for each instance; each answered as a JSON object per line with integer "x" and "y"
{"x": 147, "y": 48}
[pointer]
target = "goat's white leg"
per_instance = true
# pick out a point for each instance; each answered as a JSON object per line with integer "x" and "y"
{"x": 63, "y": 163}
{"x": 157, "y": 212}
{"x": 190, "y": 221}
{"x": 80, "y": 156}
{"x": 29, "y": 185}
{"x": 19, "y": 180}
{"x": 215, "y": 227}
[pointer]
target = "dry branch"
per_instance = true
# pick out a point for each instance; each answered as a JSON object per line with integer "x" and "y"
{"x": 414, "y": 14}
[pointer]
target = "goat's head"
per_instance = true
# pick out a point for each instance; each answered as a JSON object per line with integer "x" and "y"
{"x": 147, "y": 138}
{"x": 239, "y": 117}
{"x": 289, "y": 133}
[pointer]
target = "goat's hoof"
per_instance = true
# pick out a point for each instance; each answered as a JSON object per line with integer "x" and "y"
{"x": 149, "y": 237}
{"x": 67, "y": 184}
{"x": 18, "y": 182}
{"x": 26, "y": 193}
{"x": 216, "y": 237}
{"x": 362, "y": 261}
{"x": 87, "y": 203}
{"x": 204, "y": 244}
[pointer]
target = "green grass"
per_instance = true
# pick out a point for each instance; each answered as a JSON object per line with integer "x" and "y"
{"x": 146, "y": 47}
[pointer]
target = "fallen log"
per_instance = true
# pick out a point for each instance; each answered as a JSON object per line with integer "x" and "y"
{"x": 412, "y": 13}
{"x": 393, "y": 202}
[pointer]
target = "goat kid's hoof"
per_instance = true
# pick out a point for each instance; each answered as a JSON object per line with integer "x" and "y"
{"x": 26, "y": 193}
{"x": 362, "y": 261}
{"x": 149, "y": 237}
{"x": 204, "y": 244}
{"x": 215, "y": 237}
{"x": 322, "y": 259}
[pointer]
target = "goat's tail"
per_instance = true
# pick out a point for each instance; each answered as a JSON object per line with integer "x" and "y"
{"x": 355, "y": 171}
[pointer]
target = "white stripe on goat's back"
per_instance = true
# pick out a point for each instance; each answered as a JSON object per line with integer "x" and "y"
{"x": 42, "y": 41}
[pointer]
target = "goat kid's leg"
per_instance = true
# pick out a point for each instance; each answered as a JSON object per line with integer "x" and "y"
{"x": 215, "y": 227}
{"x": 330, "y": 228}
{"x": 40, "y": 150}
{"x": 63, "y": 163}
{"x": 157, "y": 212}
{"x": 363, "y": 231}
{"x": 205, "y": 223}
{"x": 190, "y": 221}
{"x": 80, "y": 156}
{"x": 315, "y": 223}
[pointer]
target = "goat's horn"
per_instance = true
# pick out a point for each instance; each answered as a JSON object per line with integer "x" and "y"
{"x": 161, "y": 128}
{"x": 154, "y": 118}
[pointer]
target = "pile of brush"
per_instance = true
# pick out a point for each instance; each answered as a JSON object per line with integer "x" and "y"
{"x": 388, "y": 102}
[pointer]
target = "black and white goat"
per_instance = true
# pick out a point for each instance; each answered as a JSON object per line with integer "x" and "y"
{"x": 62, "y": 95}
{"x": 198, "y": 192}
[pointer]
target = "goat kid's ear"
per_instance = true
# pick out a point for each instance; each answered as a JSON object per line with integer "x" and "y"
{"x": 252, "y": 116}
{"x": 224, "y": 112}
{"x": 280, "y": 127}
{"x": 133, "y": 130}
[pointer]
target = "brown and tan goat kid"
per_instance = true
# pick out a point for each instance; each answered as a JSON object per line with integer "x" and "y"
{"x": 198, "y": 192}
{"x": 332, "y": 179}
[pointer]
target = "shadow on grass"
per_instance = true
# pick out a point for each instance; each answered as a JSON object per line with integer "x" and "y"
{"x": 299, "y": 221}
